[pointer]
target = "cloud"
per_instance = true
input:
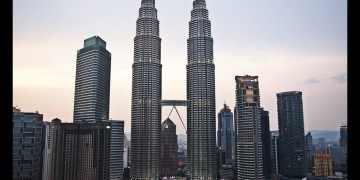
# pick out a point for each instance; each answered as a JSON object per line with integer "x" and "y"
{"x": 312, "y": 81}
{"x": 341, "y": 78}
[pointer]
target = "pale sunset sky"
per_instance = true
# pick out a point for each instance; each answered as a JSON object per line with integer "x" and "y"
{"x": 292, "y": 45}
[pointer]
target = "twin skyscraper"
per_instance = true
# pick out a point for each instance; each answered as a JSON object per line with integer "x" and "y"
{"x": 147, "y": 94}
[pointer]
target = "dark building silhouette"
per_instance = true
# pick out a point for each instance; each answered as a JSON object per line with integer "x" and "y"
{"x": 224, "y": 171}
{"x": 92, "y": 83}
{"x": 343, "y": 138}
{"x": 292, "y": 160}
{"x": 27, "y": 151}
{"x": 266, "y": 141}
{"x": 249, "y": 145}
{"x": 146, "y": 95}
{"x": 343, "y": 144}
{"x": 86, "y": 150}
{"x": 309, "y": 153}
{"x": 201, "y": 111}
{"x": 169, "y": 149}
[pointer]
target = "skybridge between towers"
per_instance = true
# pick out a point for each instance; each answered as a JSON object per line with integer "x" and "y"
{"x": 175, "y": 103}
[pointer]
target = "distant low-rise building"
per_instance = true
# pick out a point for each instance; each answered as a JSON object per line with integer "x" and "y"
{"x": 323, "y": 164}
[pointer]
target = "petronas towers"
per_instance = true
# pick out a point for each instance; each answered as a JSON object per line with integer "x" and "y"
{"x": 146, "y": 95}
{"x": 200, "y": 74}
{"x": 147, "y": 91}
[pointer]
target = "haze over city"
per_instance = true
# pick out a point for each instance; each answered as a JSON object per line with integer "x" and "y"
{"x": 291, "y": 45}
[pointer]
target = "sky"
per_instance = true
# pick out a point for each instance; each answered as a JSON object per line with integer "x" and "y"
{"x": 297, "y": 45}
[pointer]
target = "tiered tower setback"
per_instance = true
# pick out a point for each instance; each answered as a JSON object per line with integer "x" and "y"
{"x": 201, "y": 115}
{"x": 146, "y": 95}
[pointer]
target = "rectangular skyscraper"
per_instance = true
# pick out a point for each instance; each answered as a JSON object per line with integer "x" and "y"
{"x": 92, "y": 86}
{"x": 201, "y": 112}
{"x": 46, "y": 149}
{"x": 27, "y": 128}
{"x": 249, "y": 147}
{"x": 266, "y": 142}
{"x": 275, "y": 151}
{"x": 146, "y": 95}
{"x": 343, "y": 139}
{"x": 226, "y": 134}
{"x": 292, "y": 160}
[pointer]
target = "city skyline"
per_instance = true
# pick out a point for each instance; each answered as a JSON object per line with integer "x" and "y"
{"x": 291, "y": 46}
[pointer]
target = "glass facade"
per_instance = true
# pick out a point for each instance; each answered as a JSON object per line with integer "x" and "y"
{"x": 226, "y": 134}
{"x": 92, "y": 82}
{"x": 292, "y": 160}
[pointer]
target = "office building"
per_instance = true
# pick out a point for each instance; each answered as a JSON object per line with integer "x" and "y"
{"x": 343, "y": 136}
{"x": 201, "y": 111}
{"x": 86, "y": 150}
{"x": 275, "y": 151}
{"x": 146, "y": 95}
{"x": 126, "y": 152}
{"x": 226, "y": 135}
{"x": 292, "y": 160}
{"x": 92, "y": 86}
{"x": 169, "y": 149}
{"x": 27, "y": 129}
{"x": 45, "y": 149}
{"x": 249, "y": 146}
{"x": 266, "y": 141}
{"x": 343, "y": 139}
{"x": 309, "y": 152}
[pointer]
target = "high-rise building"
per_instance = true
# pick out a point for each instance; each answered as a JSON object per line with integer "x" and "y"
{"x": 343, "y": 139}
{"x": 201, "y": 112}
{"x": 46, "y": 149}
{"x": 86, "y": 150}
{"x": 169, "y": 149}
{"x": 249, "y": 146}
{"x": 266, "y": 141}
{"x": 309, "y": 153}
{"x": 226, "y": 135}
{"x": 146, "y": 95}
{"x": 343, "y": 136}
{"x": 292, "y": 160}
{"x": 126, "y": 152}
{"x": 27, "y": 129}
{"x": 92, "y": 86}
{"x": 275, "y": 151}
